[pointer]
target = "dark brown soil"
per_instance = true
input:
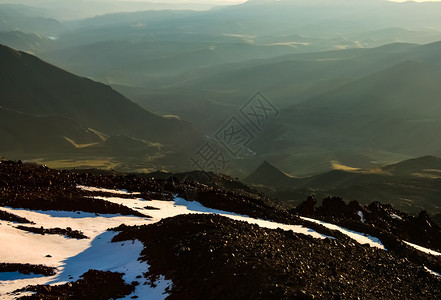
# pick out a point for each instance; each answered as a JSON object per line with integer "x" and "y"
{"x": 27, "y": 269}
{"x": 94, "y": 285}
{"x": 68, "y": 232}
{"x": 213, "y": 257}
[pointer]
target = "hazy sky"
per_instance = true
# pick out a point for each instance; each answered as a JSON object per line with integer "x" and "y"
{"x": 233, "y": 1}
{"x": 407, "y": 0}
{"x": 182, "y": 1}
{"x": 240, "y": 1}
{"x": 415, "y": 1}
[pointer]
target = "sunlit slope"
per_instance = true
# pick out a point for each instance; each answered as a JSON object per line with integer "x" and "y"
{"x": 31, "y": 134}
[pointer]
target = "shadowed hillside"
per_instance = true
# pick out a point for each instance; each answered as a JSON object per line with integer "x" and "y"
{"x": 412, "y": 185}
{"x": 32, "y": 86}
{"x": 31, "y": 134}
{"x": 268, "y": 175}
{"x": 52, "y": 115}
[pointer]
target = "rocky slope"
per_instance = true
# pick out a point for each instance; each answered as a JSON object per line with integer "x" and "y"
{"x": 211, "y": 257}
{"x": 221, "y": 243}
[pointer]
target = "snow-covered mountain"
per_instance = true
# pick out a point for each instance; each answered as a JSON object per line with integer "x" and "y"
{"x": 102, "y": 235}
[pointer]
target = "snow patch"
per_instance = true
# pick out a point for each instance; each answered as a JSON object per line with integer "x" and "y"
{"x": 361, "y": 238}
{"x": 182, "y": 207}
{"x": 95, "y": 189}
{"x": 423, "y": 249}
{"x": 432, "y": 272}
{"x": 360, "y": 214}
{"x": 74, "y": 257}
{"x": 397, "y": 217}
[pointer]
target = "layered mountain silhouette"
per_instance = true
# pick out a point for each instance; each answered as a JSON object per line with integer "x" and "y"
{"x": 24, "y": 41}
{"x": 410, "y": 185}
{"x": 408, "y": 87}
{"x": 269, "y": 175}
{"x": 427, "y": 166}
{"x": 27, "y": 19}
{"x": 393, "y": 110}
{"x": 52, "y": 107}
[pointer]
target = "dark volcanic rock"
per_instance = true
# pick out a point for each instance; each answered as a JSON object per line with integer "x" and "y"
{"x": 213, "y": 257}
{"x": 392, "y": 227}
{"x": 5, "y": 216}
{"x": 379, "y": 219}
{"x": 94, "y": 285}
{"x": 27, "y": 269}
{"x": 307, "y": 208}
{"x": 419, "y": 229}
{"x": 38, "y": 187}
{"x": 68, "y": 232}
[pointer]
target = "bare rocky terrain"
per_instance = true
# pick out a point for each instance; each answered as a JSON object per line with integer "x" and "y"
{"x": 209, "y": 256}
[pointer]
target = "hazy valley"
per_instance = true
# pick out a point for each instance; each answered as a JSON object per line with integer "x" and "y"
{"x": 272, "y": 110}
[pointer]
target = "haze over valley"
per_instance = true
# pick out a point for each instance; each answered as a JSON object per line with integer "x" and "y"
{"x": 279, "y": 110}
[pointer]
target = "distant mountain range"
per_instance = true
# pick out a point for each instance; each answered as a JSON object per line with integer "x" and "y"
{"x": 48, "y": 110}
{"x": 27, "y": 19}
{"x": 393, "y": 110}
{"x": 411, "y": 185}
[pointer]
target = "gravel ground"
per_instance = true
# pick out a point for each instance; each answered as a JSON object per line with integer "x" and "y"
{"x": 213, "y": 257}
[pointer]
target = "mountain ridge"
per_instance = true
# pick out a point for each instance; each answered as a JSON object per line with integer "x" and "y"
{"x": 269, "y": 175}
{"x": 399, "y": 184}
{"x": 33, "y": 87}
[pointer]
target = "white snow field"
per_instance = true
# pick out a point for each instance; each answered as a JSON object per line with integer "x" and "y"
{"x": 357, "y": 236}
{"x": 432, "y": 272}
{"x": 423, "y": 249}
{"x": 73, "y": 257}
